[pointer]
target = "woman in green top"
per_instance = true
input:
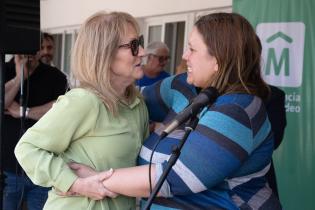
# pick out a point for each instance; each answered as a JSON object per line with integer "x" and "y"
{"x": 101, "y": 123}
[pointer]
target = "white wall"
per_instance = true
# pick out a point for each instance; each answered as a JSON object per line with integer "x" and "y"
{"x": 59, "y": 14}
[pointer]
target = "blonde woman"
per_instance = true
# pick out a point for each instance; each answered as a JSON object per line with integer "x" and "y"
{"x": 101, "y": 123}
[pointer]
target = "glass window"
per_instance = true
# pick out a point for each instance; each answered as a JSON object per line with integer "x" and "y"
{"x": 174, "y": 38}
{"x": 155, "y": 33}
{"x": 58, "y": 50}
{"x": 68, "y": 45}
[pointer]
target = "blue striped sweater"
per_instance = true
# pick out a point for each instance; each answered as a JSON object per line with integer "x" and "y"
{"x": 224, "y": 160}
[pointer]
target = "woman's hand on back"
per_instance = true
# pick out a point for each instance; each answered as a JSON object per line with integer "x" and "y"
{"x": 89, "y": 183}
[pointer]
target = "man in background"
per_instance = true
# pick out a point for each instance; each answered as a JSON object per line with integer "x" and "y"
{"x": 47, "y": 49}
{"x": 157, "y": 56}
{"x": 41, "y": 85}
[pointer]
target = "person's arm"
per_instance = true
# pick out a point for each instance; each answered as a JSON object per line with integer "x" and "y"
{"x": 34, "y": 113}
{"x": 159, "y": 97}
{"x": 39, "y": 149}
{"x": 131, "y": 181}
{"x": 11, "y": 89}
{"x": 156, "y": 99}
{"x": 37, "y": 112}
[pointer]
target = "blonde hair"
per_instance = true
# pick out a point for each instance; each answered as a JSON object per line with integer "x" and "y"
{"x": 94, "y": 52}
{"x": 231, "y": 39}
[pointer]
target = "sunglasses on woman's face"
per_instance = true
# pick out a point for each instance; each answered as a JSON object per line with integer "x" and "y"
{"x": 134, "y": 45}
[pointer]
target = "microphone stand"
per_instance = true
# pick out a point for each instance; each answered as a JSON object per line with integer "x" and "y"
{"x": 23, "y": 105}
{"x": 190, "y": 126}
{"x": 22, "y": 102}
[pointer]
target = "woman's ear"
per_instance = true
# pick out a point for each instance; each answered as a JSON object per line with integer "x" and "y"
{"x": 216, "y": 67}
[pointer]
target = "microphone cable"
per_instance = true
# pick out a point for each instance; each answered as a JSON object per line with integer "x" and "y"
{"x": 150, "y": 162}
{"x": 161, "y": 136}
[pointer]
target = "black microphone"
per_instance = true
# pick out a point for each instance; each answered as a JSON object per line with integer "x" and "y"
{"x": 205, "y": 97}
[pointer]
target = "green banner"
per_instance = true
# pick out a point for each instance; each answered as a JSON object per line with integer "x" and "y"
{"x": 287, "y": 32}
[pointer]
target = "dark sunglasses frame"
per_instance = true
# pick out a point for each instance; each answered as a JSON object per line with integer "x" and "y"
{"x": 134, "y": 45}
{"x": 161, "y": 58}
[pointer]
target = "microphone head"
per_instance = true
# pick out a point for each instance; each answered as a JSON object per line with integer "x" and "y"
{"x": 212, "y": 93}
{"x": 206, "y": 96}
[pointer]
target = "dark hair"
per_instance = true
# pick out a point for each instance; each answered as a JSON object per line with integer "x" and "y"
{"x": 46, "y": 36}
{"x": 231, "y": 39}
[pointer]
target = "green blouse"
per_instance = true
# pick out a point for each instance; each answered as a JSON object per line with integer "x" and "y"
{"x": 79, "y": 128}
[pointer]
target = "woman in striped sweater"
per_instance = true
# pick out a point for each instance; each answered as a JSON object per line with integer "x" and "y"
{"x": 225, "y": 159}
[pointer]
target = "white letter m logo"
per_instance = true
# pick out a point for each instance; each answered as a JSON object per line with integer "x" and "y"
{"x": 282, "y": 53}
